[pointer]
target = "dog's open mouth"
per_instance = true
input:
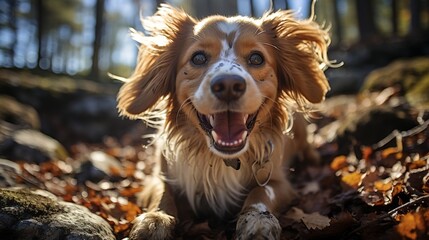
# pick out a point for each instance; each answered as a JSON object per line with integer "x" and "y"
{"x": 228, "y": 130}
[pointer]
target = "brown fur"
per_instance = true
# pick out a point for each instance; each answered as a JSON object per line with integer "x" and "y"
{"x": 166, "y": 85}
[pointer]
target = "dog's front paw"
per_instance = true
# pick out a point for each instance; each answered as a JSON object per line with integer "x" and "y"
{"x": 257, "y": 223}
{"x": 153, "y": 225}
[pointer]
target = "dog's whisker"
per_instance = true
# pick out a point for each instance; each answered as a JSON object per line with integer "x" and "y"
{"x": 271, "y": 45}
{"x": 185, "y": 103}
{"x": 264, "y": 106}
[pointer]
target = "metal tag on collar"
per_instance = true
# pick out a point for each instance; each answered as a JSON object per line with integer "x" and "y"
{"x": 262, "y": 170}
{"x": 234, "y": 163}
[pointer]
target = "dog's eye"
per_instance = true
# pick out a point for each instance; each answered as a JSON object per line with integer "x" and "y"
{"x": 199, "y": 58}
{"x": 255, "y": 59}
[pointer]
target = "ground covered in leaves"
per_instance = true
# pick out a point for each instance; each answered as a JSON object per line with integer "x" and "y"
{"x": 360, "y": 192}
{"x": 372, "y": 181}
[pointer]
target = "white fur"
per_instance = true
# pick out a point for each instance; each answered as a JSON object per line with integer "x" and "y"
{"x": 227, "y": 27}
{"x": 203, "y": 175}
{"x": 270, "y": 192}
{"x": 258, "y": 223}
{"x": 260, "y": 207}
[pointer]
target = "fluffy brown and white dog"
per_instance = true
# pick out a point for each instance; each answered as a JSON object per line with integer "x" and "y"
{"x": 227, "y": 87}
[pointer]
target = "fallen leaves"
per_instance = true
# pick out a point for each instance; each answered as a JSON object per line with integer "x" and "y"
{"x": 113, "y": 198}
{"x": 381, "y": 174}
{"x": 311, "y": 221}
{"x": 414, "y": 225}
{"x": 365, "y": 193}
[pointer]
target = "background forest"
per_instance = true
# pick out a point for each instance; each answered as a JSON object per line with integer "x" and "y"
{"x": 89, "y": 38}
{"x": 71, "y": 168}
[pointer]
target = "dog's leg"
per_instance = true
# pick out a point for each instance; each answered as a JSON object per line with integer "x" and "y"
{"x": 160, "y": 219}
{"x": 257, "y": 219}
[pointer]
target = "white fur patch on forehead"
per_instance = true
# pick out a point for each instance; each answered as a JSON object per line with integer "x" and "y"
{"x": 228, "y": 27}
{"x": 225, "y": 25}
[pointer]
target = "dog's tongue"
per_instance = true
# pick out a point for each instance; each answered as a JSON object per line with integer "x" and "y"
{"x": 229, "y": 126}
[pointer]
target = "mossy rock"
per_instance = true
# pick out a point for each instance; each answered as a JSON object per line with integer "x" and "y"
{"x": 24, "y": 203}
{"x": 410, "y": 76}
{"x": 27, "y": 214}
{"x": 404, "y": 73}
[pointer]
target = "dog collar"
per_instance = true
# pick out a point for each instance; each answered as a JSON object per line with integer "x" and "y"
{"x": 262, "y": 170}
{"x": 234, "y": 163}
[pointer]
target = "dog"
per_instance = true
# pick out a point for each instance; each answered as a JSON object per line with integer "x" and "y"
{"x": 223, "y": 91}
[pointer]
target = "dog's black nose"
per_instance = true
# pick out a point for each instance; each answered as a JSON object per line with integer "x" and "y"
{"x": 228, "y": 87}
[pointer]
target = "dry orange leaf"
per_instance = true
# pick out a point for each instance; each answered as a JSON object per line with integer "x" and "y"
{"x": 115, "y": 171}
{"x": 120, "y": 227}
{"x": 366, "y": 152}
{"x": 425, "y": 186}
{"x": 131, "y": 191}
{"x": 311, "y": 221}
{"x": 382, "y": 185}
{"x": 339, "y": 163}
{"x": 417, "y": 164}
{"x": 389, "y": 151}
{"x": 352, "y": 179}
{"x": 411, "y": 225}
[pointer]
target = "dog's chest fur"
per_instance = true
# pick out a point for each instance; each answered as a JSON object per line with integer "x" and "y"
{"x": 206, "y": 180}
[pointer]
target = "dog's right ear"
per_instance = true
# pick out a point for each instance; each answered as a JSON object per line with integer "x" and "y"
{"x": 155, "y": 73}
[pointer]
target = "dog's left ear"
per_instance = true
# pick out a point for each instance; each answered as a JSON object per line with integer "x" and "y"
{"x": 154, "y": 77}
{"x": 302, "y": 49}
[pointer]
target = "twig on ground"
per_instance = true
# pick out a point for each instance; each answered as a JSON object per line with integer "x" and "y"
{"x": 389, "y": 214}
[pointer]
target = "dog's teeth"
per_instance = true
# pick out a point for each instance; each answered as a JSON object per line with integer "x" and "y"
{"x": 219, "y": 141}
{"x": 243, "y": 136}
{"x": 211, "y": 119}
{"x": 215, "y": 136}
{"x": 246, "y": 116}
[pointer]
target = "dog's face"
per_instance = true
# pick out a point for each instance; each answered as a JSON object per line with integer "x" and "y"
{"x": 229, "y": 77}
{"x": 226, "y": 74}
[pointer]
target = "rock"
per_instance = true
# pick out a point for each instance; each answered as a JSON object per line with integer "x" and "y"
{"x": 31, "y": 146}
{"x": 16, "y": 115}
{"x": 370, "y": 125}
{"x": 98, "y": 166}
{"x": 410, "y": 76}
{"x": 26, "y": 214}
{"x": 8, "y": 171}
{"x": 70, "y": 110}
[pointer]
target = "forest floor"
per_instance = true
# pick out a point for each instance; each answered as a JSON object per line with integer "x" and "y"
{"x": 364, "y": 192}
{"x": 372, "y": 181}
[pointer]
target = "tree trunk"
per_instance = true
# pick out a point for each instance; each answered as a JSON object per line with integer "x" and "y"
{"x": 394, "y": 18}
{"x": 99, "y": 12}
{"x": 40, "y": 31}
{"x": 14, "y": 29}
{"x": 416, "y": 23}
{"x": 337, "y": 22}
{"x": 366, "y": 23}
{"x": 206, "y": 8}
{"x": 252, "y": 8}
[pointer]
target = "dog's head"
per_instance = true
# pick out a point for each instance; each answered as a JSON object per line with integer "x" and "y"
{"x": 221, "y": 76}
